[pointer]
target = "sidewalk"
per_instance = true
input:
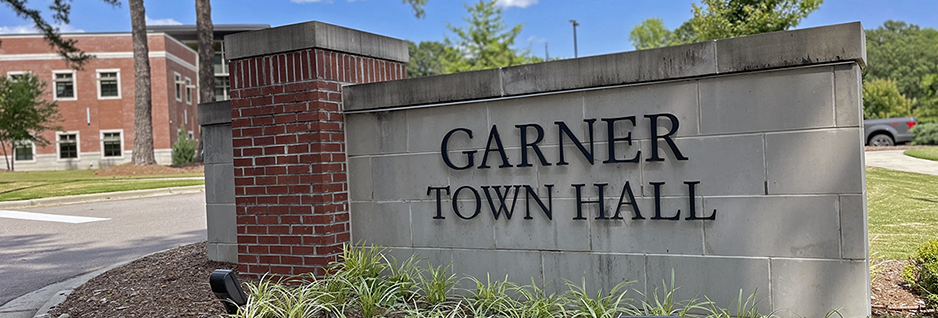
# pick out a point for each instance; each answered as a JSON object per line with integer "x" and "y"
{"x": 39, "y": 302}
{"x": 895, "y": 160}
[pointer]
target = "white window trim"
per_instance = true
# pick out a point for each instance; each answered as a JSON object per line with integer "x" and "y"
{"x": 190, "y": 135}
{"x": 58, "y": 150}
{"x": 11, "y": 73}
{"x": 55, "y": 89}
{"x": 190, "y": 89}
{"x": 98, "y": 82}
{"x": 25, "y": 161}
{"x": 101, "y": 141}
{"x": 178, "y": 83}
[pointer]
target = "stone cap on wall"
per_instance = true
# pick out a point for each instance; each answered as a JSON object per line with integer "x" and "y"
{"x": 827, "y": 44}
{"x": 214, "y": 113}
{"x": 314, "y": 34}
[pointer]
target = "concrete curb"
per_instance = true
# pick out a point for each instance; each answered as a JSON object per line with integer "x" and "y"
{"x": 97, "y": 197}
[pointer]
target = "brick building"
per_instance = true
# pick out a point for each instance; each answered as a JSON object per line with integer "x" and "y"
{"x": 97, "y": 102}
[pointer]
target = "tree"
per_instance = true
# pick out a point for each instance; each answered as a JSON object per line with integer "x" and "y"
{"x": 426, "y": 59}
{"x": 926, "y": 108}
{"x": 206, "y": 38}
{"x": 882, "y": 99}
{"x": 143, "y": 117}
{"x": 25, "y": 113}
{"x": 903, "y": 52}
{"x": 74, "y": 57}
{"x": 719, "y": 19}
{"x": 486, "y": 42}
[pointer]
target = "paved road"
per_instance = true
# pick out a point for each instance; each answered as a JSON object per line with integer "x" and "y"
{"x": 895, "y": 160}
{"x": 34, "y": 253}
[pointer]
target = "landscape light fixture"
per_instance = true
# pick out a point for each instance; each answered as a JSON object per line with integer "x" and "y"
{"x": 575, "y": 24}
{"x": 226, "y": 287}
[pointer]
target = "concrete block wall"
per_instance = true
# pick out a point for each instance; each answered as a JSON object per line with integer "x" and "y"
{"x": 769, "y": 126}
{"x": 215, "y": 121}
{"x": 288, "y": 140}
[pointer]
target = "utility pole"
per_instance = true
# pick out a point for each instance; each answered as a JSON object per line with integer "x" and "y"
{"x": 546, "y": 55}
{"x": 575, "y": 24}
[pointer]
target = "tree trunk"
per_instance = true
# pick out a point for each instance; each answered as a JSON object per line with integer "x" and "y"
{"x": 143, "y": 117}
{"x": 7, "y": 158}
{"x": 205, "y": 30}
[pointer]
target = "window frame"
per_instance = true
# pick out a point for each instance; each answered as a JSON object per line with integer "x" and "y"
{"x": 101, "y": 141}
{"x": 55, "y": 88}
{"x": 32, "y": 146}
{"x": 177, "y": 85}
{"x": 58, "y": 147}
{"x": 189, "y": 87}
{"x": 117, "y": 72}
{"x": 10, "y": 74}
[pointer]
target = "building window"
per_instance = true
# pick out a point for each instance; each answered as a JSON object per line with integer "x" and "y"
{"x": 221, "y": 88}
{"x": 64, "y": 85}
{"x": 23, "y": 150}
{"x": 68, "y": 145}
{"x": 220, "y": 66}
{"x": 17, "y": 75}
{"x": 177, "y": 80}
{"x": 111, "y": 144}
{"x": 109, "y": 84}
{"x": 190, "y": 135}
{"x": 188, "y": 91}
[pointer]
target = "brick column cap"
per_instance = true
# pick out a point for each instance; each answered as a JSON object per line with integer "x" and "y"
{"x": 314, "y": 34}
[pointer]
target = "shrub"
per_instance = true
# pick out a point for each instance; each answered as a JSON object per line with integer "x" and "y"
{"x": 183, "y": 149}
{"x": 922, "y": 271}
{"x": 925, "y": 134}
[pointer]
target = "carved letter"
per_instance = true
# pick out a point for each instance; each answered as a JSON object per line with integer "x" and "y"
{"x": 469, "y": 153}
{"x": 478, "y": 200}
{"x": 611, "y": 131}
{"x": 439, "y": 209}
{"x": 493, "y": 136}
{"x": 533, "y": 145}
{"x": 693, "y": 210}
{"x": 657, "y": 216}
{"x": 566, "y": 130}
{"x": 666, "y": 137}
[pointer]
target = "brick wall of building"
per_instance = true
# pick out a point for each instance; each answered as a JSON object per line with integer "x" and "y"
{"x": 291, "y": 189}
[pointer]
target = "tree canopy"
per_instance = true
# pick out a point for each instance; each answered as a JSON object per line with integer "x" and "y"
{"x": 61, "y": 9}
{"x": 486, "y": 42}
{"x": 882, "y": 99}
{"x": 718, "y": 19}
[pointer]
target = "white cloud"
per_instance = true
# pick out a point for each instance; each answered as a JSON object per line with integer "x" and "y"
{"x": 167, "y": 21}
{"x": 536, "y": 39}
{"x": 310, "y": 1}
{"x": 29, "y": 29}
{"x": 516, "y": 3}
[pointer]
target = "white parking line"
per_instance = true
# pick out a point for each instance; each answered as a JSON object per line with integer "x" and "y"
{"x": 48, "y": 217}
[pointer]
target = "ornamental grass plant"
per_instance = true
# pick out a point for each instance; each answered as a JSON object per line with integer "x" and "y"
{"x": 366, "y": 283}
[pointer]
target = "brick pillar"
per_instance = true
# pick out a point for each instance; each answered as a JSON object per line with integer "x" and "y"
{"x": 288, "y": 137}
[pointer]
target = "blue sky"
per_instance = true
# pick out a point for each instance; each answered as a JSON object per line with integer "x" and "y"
{"x": 604, "y": 24}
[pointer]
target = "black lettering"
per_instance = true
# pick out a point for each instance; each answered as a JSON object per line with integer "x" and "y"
{"x": 666, "y": 137}
{"x": 657, "y": 216}
{"x": 580, "y": 202}
{"x": 493, "y": 136}
{"x": 548, "y": 210}
{"x": 496, "y": 212}
{"x": 628, "y": 190}
{"x": 693, "y": 210}
{"x": 533, "y": 145}
{"x": 439, "y": 208}
{"x": 566, "y": 130}
{"x": 469, "y": 153}
{"x": 611, "y": 131}
{"x": 456, "y": 205}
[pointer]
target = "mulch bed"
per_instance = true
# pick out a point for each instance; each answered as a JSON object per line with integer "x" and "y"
{"x": 175, "y": 284}
{"x": 129, "y": 169}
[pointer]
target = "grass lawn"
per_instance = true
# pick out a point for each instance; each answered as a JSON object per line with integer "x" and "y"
{"x": 41, "y": 184}
{"x": 929, "y": 153}
{"x": 903, "y": 211}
